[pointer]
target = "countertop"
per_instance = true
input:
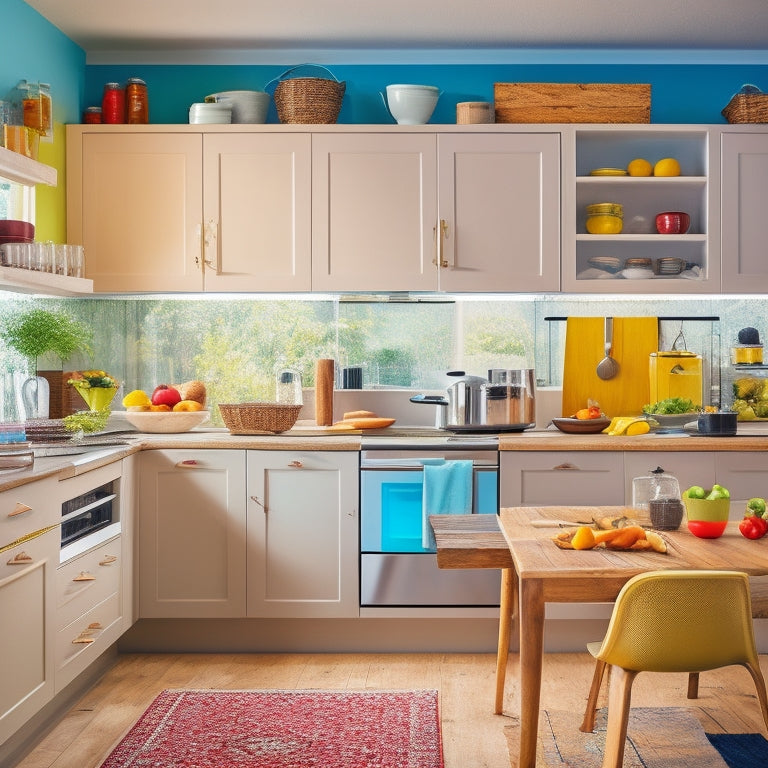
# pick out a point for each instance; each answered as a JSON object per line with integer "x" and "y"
{"x": 751, "y": 437}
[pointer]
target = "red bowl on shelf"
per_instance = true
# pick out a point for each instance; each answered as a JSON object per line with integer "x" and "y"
{"x": 707, "y": 529}
{"x": 672, "y": 223}
{"x": 15, "y": 231}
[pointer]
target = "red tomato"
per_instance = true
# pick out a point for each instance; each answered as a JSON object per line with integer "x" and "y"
{"x": 753, "y": 527}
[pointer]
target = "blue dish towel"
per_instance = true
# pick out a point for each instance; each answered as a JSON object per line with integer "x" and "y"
{"x": 447, "y": 491}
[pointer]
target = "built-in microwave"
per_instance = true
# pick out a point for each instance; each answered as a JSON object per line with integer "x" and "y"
{"x": 88, "y": 512}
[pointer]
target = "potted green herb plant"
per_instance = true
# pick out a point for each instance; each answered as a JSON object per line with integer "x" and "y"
{"x": 39, "y": 332}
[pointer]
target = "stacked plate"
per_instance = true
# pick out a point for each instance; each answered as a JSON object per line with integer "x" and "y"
{"x": 669, "y": 265}
{"x": 247, "y": 106}
{"x": 46, "y": 430}
{"x": 608, "y": 263}
{"x": 209, "y": 114}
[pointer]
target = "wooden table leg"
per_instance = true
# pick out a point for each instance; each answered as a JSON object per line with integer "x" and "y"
{"x": 531, "y": 622}
{"x": 506, "y": 614}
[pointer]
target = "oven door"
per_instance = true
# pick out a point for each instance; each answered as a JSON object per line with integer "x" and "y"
{"x": 395, "y": 568}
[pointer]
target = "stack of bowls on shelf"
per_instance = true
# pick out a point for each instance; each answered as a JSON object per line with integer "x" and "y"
{"x": 639, "y": 268}
{"x": 669, "y": 265}
{"x": 605, "y": 218}
{"x": 209, "y": 114}
{"x": 247, "y": 106}
{"x": 411, "y": 104}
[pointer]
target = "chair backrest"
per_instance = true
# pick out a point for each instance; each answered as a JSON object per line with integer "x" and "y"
{"x": 681, "y": 621}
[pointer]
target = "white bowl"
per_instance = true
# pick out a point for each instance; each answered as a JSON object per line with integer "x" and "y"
{"x": 247, "y": 106}
{"x": 412, "y": 104}
{"x": 200, "y": 114}
{"x": 166, "y": 422}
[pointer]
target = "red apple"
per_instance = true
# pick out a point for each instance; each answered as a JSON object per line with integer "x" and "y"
{"x": 165, "y": 395}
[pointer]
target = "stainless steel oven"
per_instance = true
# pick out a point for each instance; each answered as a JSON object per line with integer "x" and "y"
{"x": 396, "y": 568}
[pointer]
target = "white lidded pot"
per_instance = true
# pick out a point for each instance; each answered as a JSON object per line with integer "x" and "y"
{"x": 247, "y": 106}
{"x": 411, "y": 104}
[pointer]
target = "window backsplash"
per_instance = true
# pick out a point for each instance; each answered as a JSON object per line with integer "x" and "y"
{"x": 236, "y": 343}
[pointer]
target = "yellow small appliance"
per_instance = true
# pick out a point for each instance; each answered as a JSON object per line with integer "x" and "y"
{"x": 676, "y": 373}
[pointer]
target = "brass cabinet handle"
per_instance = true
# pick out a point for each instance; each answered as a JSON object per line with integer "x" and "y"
{"x": 22, "y": 558}
{"x": 296, "y": 463}
{"x": 19, "y": 509}
{"x": 210, "y": 238}
{"x": 108, "y": 559}
{"x": 439, "y": 236}
{"x": 84, "y": 576}
{"x": 566, "y": 465}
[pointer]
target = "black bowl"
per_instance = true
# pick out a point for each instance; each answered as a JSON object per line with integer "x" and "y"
{"x": 718, "y": 424}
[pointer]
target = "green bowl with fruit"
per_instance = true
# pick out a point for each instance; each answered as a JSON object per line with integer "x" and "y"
{"x": 707, "y": 511}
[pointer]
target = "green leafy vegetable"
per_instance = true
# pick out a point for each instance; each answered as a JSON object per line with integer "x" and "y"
{"x": 86, "y": 421}
{"x": 671, "y": 406}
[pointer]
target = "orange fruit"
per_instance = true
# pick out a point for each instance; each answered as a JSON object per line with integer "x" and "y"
{"x": 188, "y": 405}
{"x": 165, "y": 408}
{"x": 667, "y": 166}
{"x": 639, "y": 167}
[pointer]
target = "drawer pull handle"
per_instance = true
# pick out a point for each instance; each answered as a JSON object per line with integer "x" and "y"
{"x": 296, "y": 463}
{"x": 566, "y": 465}
{"x": 258, "y": 501}
{"x": 22, "y": 558}
{"x": 84, "y": 576}
{"x": 108, "y": 559}
{"x": 94, "y": 625}
{"x": 19, "y": 509}
{"x": 81, "y": 639}
{"x": 187, "y": 464}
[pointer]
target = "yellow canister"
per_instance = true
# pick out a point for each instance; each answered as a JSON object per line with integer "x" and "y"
{"x": 676, "y": 374}
{"x": 747, "y": 354}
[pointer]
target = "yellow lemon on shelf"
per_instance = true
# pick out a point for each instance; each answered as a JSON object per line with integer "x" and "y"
{"x": 136, "y": 398}
{"x": 667, "y": 166}
{"x": 639, "y": 167}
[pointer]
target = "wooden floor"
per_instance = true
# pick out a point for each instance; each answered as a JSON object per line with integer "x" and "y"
{"x": 472, "y": 736}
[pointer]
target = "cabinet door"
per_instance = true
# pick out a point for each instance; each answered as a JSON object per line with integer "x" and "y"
{"x": 745, "y": 189}
{"x": 692, "y": 468}
{"x": 547, "y": 478}
{"x": 373, "y": 212}
{"x": 257, "y": 209}
{"x": 745, "y": 475}
{"x": 135, "y": 202}
{"x": 26, "y": 642}
{"x": 192, "y": 534}
{"x": 499, "y": 199}
{"x": 303, "y": 534}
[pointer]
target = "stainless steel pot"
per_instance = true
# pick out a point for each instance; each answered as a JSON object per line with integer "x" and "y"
{"x": 504, "y": 402}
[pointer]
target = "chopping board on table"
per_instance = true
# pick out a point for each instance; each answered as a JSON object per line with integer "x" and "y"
{"x": 634, "y": 338}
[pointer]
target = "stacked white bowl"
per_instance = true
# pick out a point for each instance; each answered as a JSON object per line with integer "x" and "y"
{"x": 200, "y": 114}
{"x": 247, "y": 106}
{"x": 412, "y": 104}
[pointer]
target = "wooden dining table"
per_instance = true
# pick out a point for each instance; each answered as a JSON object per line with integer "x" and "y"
{"x": 545, "y": 573}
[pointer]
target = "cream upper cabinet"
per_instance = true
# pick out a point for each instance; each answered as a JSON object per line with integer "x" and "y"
{"x": 257, "y": 219}
{"x": 374, "y": 210}
{"x": 499, "y": 209}
{"x": 134, "y": 200}
{"x": 388, "y": 208}
{"x": 744, "y": 192}
{"x": 183, "y": 211}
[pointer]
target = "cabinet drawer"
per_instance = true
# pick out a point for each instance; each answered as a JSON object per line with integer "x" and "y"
{"x": 28, "y": 508}
{"x": 45, "y": 547}
{"x": 81, "y": 642}
{"x": 561, "y": 478}
{"x": 86, "y": 581}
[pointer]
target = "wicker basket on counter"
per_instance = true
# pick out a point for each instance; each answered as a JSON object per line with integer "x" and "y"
{"x": 309, "y": 99}
{"x": 258, "y": 418}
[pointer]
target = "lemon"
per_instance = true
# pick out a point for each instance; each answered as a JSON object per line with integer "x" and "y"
{"x": 667, "y": 166}
{"x": 639, "y": 167}
{"x": 136, "y": 398}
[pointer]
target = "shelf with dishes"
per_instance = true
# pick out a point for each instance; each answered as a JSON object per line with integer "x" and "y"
{"x": 657, "y": 228}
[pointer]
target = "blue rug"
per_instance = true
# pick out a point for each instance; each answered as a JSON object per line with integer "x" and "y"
{"x": 741, "y": 750}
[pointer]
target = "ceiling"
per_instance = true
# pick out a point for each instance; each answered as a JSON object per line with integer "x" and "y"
{"x": 114, "y": 31}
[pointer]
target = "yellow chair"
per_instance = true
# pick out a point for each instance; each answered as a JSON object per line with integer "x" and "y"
{"x": 672, "y": 621}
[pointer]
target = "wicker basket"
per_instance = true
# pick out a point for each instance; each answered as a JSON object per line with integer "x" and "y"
{"x": 315, "y": 100}
{"x": 258, "y": 418}
{"x": 747, "y": 108}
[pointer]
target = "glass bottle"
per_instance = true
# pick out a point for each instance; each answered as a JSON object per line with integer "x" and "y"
{"x": 113, "y": 104}
{"x": 288, "y": 387}
{"x": 136, "y": 101}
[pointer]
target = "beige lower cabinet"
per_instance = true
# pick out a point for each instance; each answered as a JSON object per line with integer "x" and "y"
{"x": 692, "y": 468}
{"x": 745, "y": 475}
{"x": 303, "y": 546}
{"x": 553, "y": 478}
{"x": 89, "y": 608}
{"x": 191, "y": 535}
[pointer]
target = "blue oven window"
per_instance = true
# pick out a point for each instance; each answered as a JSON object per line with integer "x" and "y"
{"x": 401, "y": 505}
{"x": 486, "y": 493}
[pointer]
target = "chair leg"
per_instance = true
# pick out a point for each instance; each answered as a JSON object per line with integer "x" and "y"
{"x": 759, "y": 680}
{"x": 619, "y": 695}
{"x": 693, "y": 685}
{"x": 588, "y": 724}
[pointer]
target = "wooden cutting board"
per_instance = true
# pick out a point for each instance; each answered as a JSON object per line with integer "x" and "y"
{"x": 634, "y": 338}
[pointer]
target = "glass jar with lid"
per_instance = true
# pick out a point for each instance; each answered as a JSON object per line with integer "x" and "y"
{"x": 658, "y": 493}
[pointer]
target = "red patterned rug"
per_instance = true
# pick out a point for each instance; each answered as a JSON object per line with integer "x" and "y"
{"x": 284, "y": 729}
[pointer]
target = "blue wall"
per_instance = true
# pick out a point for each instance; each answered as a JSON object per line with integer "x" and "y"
{"x": 680, "y": 93}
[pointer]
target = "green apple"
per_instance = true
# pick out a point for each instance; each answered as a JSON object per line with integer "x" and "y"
{"x": 695, "y": 492}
